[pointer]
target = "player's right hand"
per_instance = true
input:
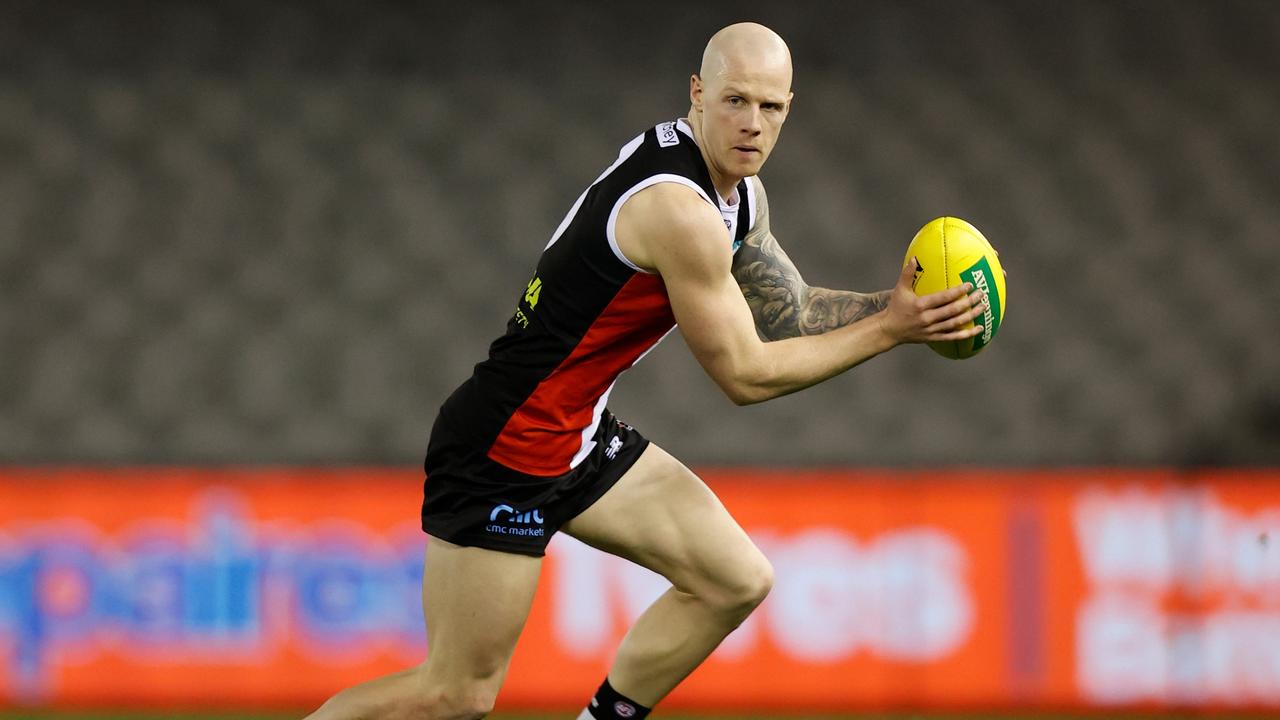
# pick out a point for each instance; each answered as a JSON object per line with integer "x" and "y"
{"x": 940, "y": 316}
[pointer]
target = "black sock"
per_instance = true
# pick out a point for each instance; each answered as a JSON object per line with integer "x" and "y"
{"x": 609, "y": 704}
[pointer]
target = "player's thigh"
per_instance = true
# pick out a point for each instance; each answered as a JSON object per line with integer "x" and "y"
{"x": 662, "y": 516}
{"x": 475, "y": 602}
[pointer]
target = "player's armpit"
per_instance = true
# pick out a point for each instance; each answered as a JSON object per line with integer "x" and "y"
{"x": 782, "y": 304}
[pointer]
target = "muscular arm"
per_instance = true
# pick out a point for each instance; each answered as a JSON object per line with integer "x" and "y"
{"x": 669, "y": 229}
{"x": 782, "y": 304}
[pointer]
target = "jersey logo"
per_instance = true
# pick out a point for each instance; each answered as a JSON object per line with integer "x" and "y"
{"x": 615, "y": 445}
{"x": 667, "y": 134}
{"x": 533, "y": 291}
{"x": 531, "y": 294}
{"x": 506, "y": 520}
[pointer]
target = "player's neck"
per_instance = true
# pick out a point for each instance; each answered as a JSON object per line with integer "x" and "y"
{"x": 725, "y": 185}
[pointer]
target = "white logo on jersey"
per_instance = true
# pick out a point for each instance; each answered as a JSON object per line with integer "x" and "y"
{"x": 667, "y": 134}
{"x": 514, "y": 516}
{"x": 506, "y": 520}
{"x": 615, "y": 445}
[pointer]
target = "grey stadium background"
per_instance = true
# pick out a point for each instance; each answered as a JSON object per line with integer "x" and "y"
{"x": 283, "y": 232}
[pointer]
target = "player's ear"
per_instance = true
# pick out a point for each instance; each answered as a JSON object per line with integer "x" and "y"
{"x": 695, "y": 91}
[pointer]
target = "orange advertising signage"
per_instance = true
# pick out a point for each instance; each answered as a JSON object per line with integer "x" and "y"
{"x": 1164, "y": 590}
{"x": 952, "y": 589}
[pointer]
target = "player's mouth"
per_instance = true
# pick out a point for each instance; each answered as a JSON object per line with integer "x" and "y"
{"x": 747, "y": 150}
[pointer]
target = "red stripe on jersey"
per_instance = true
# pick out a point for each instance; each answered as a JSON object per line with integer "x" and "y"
{"x": 545, "y": 432}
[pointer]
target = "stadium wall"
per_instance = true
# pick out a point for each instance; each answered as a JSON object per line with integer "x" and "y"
{"x": 283, "y": 232}
{"x": 948, "y": 589}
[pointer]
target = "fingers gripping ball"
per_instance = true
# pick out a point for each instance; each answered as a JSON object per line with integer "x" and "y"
{"x": 951, "y": 252}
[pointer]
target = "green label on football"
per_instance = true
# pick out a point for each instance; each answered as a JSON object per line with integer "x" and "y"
{"x": 980, "y": 275}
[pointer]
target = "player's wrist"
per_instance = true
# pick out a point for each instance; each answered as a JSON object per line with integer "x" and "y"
{"x": 885, "y": 335}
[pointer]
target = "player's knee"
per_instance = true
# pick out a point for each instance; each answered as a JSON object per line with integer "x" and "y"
{"x": 746, "y": 586}
{"x": 759, "y": 582}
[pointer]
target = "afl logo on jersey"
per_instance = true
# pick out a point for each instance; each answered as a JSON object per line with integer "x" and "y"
{"x": 667, "y": 134}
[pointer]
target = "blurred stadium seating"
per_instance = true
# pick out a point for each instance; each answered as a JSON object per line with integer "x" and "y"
{"x": 283, "y": 232}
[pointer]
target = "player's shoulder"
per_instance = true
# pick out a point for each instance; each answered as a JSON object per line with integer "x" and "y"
{"x": 679, "y": 232}
{"x": 668, "y": 223}
{"x": 676, "y": 207}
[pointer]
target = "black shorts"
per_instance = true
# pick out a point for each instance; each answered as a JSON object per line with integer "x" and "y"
{"x": 471, "y": 500}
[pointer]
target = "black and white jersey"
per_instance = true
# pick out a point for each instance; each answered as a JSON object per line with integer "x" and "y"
{"x": 587, "y": 315}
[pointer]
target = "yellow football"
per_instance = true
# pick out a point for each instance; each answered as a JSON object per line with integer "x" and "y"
{"x": 950, "y": 252}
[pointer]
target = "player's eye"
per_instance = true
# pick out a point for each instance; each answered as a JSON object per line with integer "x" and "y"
{"x": 736, "y": 101}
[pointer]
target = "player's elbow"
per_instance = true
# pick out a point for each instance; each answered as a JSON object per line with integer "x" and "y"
{"x": 750, "y": 393}
{"x": 750, "y": 383}
{"x": 746, "y": 375}
{"x": 743, "y": 395}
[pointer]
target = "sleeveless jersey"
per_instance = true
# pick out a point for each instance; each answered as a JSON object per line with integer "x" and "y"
{"x": 587, "y": 315}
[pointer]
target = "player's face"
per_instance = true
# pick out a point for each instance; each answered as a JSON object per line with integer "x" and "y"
{"x": 742, "y": 114}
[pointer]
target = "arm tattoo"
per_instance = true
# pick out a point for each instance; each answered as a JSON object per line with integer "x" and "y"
{"x": 826, "y": 310}
{"x": 782, "y": 304}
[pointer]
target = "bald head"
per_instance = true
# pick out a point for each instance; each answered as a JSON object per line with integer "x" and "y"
{"x": 745, "y": 48}
{"x": 739, "y": 101}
